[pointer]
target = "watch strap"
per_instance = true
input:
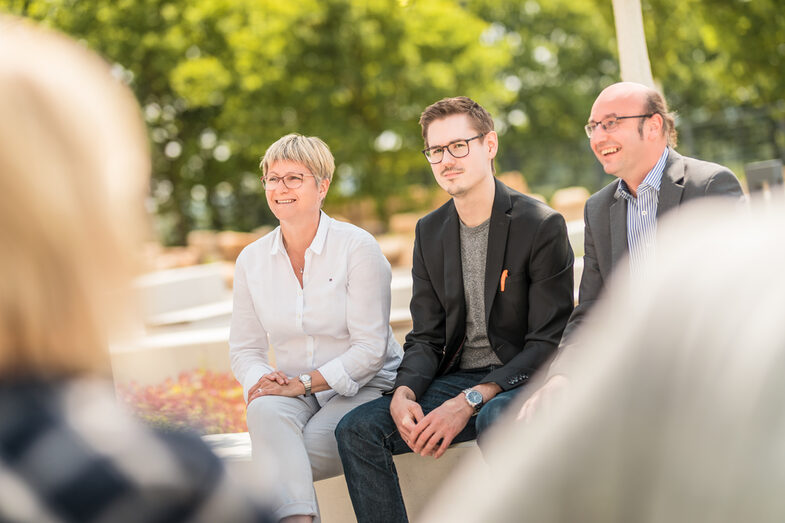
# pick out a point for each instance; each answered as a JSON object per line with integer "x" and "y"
{"x": 305, "y": 379}
{"x": 474, "y": 405}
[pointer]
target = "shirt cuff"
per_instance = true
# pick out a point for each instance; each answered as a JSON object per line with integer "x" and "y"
{"x": 337, "y": 378}
{"x": 251, "y": 377}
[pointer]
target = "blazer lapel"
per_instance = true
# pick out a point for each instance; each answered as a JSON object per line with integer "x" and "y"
{"x": 618, "y": 215}
{"x": 497, "y": 244}
{"x": 672, "y": 185}
{"x": 453, "y": 274}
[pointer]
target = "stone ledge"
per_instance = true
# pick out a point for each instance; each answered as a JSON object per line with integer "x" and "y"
{"x": 419, "y": 476}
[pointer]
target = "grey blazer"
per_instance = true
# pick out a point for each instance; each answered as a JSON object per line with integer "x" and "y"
{"x": 605, "y": 218}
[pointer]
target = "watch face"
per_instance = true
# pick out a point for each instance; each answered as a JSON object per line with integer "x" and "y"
{"x": 474, "y": 397}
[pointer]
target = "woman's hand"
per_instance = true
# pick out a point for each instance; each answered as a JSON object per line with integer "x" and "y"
{"x": 276, "y": 384}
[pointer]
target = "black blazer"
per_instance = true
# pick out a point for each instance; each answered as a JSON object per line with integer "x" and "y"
{"x": 526, "y": 238}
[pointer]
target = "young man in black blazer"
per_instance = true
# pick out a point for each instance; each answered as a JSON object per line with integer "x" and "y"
{"x": 492, "y": 292}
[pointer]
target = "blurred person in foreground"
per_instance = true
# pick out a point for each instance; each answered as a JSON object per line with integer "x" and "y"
{"x": 74, "y": 168}
{"x": 492, "y": 292}
{"x": 633, "y": 135}
{"x": 683, "y": 424}
{"x": 315, "y": 291}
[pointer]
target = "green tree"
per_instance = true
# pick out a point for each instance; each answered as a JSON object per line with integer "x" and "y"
{"x": 719, "y": 63}
{"x": 722, "y": 71}
{"x": 219, "y": 80}
{"x": 562, "y": 54}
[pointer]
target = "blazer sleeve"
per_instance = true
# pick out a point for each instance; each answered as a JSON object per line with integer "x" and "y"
{"x": 592, "y": 281}
{"x": 724, "y": 183}
{"x": 591, "y": 286}
{"x": 424, "y": 346}
{"x": 550, "y": 297}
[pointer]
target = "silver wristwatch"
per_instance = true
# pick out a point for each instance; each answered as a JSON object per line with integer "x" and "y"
{"x": 474, "y": 399}
{"x": 306, "y": 381}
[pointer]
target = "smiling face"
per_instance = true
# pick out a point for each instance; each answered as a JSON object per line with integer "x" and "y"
{"x": 302, "y": 203}
{"x": 626, "y": 152}
{"x": 459, "y": 176}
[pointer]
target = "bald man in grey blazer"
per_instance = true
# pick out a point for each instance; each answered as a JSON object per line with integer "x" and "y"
{"x": 632, "y": 134}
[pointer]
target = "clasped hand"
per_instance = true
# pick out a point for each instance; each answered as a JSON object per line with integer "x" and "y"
{"x": 276, "y": 384}
{"x": 429, "y": 435}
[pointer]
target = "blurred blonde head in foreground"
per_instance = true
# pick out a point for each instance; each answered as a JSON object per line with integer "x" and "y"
{"x": 677, "y": 408}
{"x": 74, "y": 168}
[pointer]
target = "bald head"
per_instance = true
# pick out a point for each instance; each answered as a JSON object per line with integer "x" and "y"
{"x": 629, "y": 129}
{"x": 648, "y": 100}
{"x": 626, "y": 90}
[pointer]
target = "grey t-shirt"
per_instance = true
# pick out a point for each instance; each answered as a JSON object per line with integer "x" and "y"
{"x": 477, "y": 352}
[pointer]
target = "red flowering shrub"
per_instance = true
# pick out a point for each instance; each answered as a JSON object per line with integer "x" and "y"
{"x": 203, "y": 401}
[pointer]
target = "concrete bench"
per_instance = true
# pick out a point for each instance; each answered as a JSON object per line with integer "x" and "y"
{"x": 154, "y": 358}
{"x": 177, "y": 289}
{"x": 419, "y": 477}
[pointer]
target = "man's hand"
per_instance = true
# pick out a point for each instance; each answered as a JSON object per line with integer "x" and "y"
{"x": 405, "y": 412}
{"x": 435, "y": 432}
{"x": 545, "y": 397}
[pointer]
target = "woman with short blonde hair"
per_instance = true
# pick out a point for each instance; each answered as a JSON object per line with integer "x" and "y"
{"x": 309, "y": 151}
{"x": 315, "y": 291}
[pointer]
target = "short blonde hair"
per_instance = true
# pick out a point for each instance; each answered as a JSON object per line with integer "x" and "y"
{"x": 75, "y": 164}
{"x": 310, "y": 151}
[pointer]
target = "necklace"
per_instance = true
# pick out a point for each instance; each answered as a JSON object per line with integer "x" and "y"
{"x": 295, "y": 266}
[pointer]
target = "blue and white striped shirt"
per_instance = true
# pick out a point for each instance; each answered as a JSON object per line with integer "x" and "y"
{"x": 642, "y": 214}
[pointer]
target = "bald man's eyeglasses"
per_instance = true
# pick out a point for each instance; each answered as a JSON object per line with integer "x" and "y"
{"x": 611, "y": 123}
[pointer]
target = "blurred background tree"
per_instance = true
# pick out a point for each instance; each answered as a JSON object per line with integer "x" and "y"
{"x": 219, "y": 80}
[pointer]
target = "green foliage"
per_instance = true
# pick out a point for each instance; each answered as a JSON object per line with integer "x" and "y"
{"x": 220, "y": 80}
{"x": 722, "y": 72}
{"x": 201, "y": 82}
{"x": 563, "y": 54}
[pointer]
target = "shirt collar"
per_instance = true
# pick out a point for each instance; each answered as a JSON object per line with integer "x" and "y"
{"x": 652, "y": 179}
{"x": 321, "y": 233}
{"x": 318, "y": 241}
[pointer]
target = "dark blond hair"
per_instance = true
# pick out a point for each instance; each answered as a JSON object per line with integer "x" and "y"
{"x": 75, "y": 165}
{"x": 656, "y": 104}
{"x": 310, "y": 151}
{"x": 479, "y": 118}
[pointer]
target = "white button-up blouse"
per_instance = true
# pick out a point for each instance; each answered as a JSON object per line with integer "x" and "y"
{"x": 338, "y": 323}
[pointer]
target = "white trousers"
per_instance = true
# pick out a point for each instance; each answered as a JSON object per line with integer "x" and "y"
{"x": 293, "y": 442}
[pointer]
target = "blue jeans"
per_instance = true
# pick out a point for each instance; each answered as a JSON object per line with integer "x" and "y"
{"x": 368, "y": 439}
